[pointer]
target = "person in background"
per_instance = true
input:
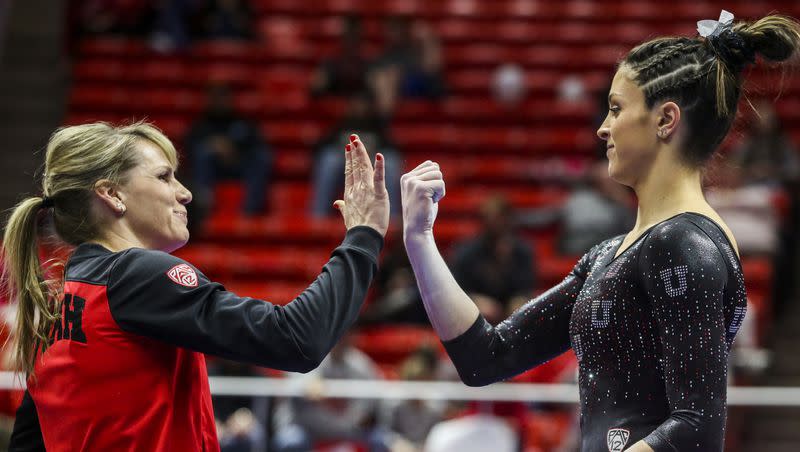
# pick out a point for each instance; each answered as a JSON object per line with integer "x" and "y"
{"x": 747, "y": 208}
{"x": 174, "y": 24}
{"x": 226, "y": 19}
{"x": 497, "y": 266}
{"x": 397, "y": 297}
{"x": 412, "y": 420}
{"x": 110, "y": 17}
{"x": 410, "y": 66}
{"x": 328, "y": 170}
{"x": 346, "y": 73}
{"x": 595, "y": 211}
{"x": 222, "y": 144}
{"x": 304, "y": 422}
{"x": 767, "y": 155}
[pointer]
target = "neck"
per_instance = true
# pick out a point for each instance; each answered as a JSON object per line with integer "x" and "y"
{"x": 669, "y": 189}
{"x": 116, "y": 240}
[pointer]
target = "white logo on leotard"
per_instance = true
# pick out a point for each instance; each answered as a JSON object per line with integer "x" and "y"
{"x": 601, "y": 313}
{"x": 577, "y": 347}
{"x": 731, "y": 256}
{"x": 738, "y": 319}
{"x": 617, "y": 438}
{"x": 680, "y": 272}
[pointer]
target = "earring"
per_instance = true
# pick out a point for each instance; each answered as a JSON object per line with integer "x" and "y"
{"x": 121, "y": 208}
{"x": 662, "y": 133}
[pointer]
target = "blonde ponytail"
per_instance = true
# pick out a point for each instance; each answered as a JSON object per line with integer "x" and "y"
{"x": 26, "y": 285}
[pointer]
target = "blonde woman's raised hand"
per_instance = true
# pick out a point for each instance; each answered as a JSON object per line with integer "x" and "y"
{"x": 366, "y": 201}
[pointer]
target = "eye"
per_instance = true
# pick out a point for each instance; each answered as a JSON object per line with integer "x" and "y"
{"x": 165, "y": 176}
{"x": 614, "y": 109}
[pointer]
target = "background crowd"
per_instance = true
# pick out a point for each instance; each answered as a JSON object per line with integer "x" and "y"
{"x": 260, "y": 98}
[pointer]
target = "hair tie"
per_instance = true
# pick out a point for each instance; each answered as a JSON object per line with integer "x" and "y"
{"x": 47, "y": 202}
{"x": 729, "y": 45}
{"x": 712, "y": 28}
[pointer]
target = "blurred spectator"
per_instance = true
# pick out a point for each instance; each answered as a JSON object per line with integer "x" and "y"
{"x": 508, "y": 85}
{"x": 497, "y": 266}
{"x": 99, "y": 17}
{"x": 476, "y": 433}
{"x": 409, "y": 67}
{"x": 328, "y": 172}
{"x": 303, "y": 422}
{"x": 571, "y": 90}
{"x": 224, "y": 145}
{"x": 424, "y": 79}
{"x": 346, "y": 73}
{"x": 240, "y": 433}
{"x": 413, "y": 419}
{"x": 226, "y": 406}
{"x": 226, "y": 19}
{"x": 174, "y": 24}
{"x": 594, "y": 212}
{"x": 238, "y": 429}
{"x": 398, "y": 299}
{"x": 747, "y": 209}
{"x": 766, "y": 154}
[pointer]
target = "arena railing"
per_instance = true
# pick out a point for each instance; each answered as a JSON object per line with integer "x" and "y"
{"x": 439, "y": 390}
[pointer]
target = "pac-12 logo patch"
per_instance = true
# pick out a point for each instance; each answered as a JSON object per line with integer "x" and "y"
{"x": 183, "y": 274}
{"x": 617, "y": 438}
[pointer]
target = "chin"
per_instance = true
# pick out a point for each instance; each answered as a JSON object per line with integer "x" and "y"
{"x": 175, "y": 244}
{"x": 612, "y": 170}
{"x": 617, "y": 176}
{"x": 180, "y": 243}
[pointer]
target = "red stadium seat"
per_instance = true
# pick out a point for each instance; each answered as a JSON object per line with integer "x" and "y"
{"x": 392, "y": 344}
{"x": 546, "y": 430}
{"x": 279, "y": 293}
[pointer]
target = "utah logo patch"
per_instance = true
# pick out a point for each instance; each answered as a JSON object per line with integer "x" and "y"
{"x": 617, "y": 438}
{"x": 183, "y": 274}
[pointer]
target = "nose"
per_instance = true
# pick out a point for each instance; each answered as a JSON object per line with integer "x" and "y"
{"x": 604, "y": 132}
{"x": 183, "y": 194}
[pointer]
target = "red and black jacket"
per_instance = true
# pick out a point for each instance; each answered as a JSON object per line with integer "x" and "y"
{"x": 125, "y": 368}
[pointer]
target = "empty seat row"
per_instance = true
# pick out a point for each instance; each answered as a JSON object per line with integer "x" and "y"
{"x": 282, "y": 105}
{"x": 606, "y": 10}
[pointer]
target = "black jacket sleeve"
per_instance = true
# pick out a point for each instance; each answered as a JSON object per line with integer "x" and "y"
{"x": 685, "y": 275}
{"x": 27, "y": 433}
{"x": 534, "y": 334}
{"x": 197, "y": 314}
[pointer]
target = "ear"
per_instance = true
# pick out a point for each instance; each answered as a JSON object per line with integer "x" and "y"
{"x": 106, "y": 191}
{"x": 669, "y": 116}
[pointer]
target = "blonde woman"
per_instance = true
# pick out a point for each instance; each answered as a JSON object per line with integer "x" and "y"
{"x": 114, "y": 351}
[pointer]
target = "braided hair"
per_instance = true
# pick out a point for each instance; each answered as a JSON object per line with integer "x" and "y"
{"x": 704, "y": 75}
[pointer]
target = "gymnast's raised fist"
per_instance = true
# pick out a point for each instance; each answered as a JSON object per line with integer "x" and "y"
{"x": 366, "y": 201}
{"x": 421, "y": 190}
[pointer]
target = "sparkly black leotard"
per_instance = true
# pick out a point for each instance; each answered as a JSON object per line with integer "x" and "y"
{"x": 651, "y": 328}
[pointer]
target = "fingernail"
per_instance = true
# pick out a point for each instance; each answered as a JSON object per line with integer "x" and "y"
{"x": 347, "y": 147}
{"x": 379, "y": 157}
{"x": 353, "y": 137}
